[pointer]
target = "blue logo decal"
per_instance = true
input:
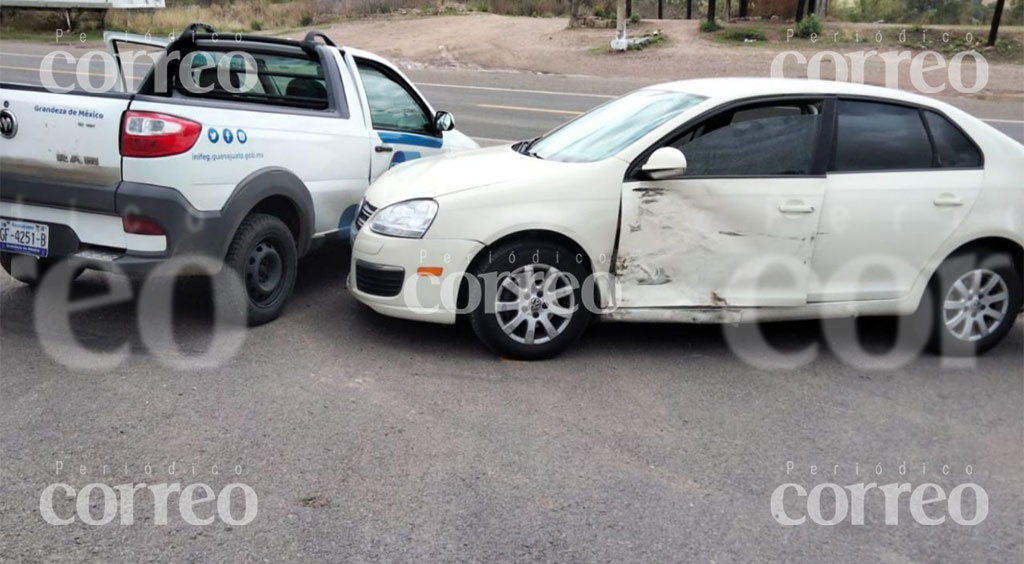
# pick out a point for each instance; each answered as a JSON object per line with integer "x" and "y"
{"x": 213, "y": 135}
{"x": 228, "y": 136}
{"x": 242, "y": 137}
{"x": 404, "y": 156}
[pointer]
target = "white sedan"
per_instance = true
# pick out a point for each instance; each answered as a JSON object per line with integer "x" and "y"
{"x": 709, "y": 201}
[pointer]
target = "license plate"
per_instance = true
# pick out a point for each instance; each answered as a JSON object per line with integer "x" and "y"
{"x": 24, "y": 237}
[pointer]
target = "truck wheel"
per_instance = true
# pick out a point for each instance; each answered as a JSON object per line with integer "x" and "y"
{"x": 975, "y": 299}
{"x": 26, "y": 269}
{"x": 528, "y": 303}
{"x": 264, "y": 257}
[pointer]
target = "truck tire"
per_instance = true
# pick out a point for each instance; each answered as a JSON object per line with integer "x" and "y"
{"x": 534, "y": 308}
{"x": 25, "y": 269}
{"x": 264, "y": 257}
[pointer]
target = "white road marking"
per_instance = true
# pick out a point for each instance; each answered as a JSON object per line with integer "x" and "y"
{"x": 520, "y": 90}
{"x": 492, "y": 140}
{"x": 530, "y": 109}
{"x": 1002, "y": 120}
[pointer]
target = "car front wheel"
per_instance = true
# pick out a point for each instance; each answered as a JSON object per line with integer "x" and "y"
{"x": 528, "y": 300}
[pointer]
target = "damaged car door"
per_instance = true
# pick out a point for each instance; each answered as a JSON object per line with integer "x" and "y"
{"x": 737, "y": 226}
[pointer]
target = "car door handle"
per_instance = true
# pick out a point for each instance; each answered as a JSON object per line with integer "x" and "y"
{"x": 383, "y": 148}
{"x": 948, "y": 201}
{"x": 796, "y": 208}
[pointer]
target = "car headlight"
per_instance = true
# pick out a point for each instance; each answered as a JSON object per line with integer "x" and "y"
{"x": 409, "y": 219}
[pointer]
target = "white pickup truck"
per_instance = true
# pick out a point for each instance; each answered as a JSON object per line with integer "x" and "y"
{"x": 248, "y": 158}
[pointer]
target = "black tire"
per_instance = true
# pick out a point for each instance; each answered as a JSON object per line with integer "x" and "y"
{"x": 978, "y": 307}
{"x": 567, "y": 314}
{"x": 263, "y": 256}
{"x": 26, "y": 269}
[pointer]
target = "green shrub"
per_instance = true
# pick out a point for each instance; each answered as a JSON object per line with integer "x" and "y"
{"x": 634, "y": 19}
{"x": 709, "y": 27}
{"x": 742, "y": 34}
{"x": 256, "y": 25}
{"x": 808, "y": 25}
{"x": 306, "y": 20}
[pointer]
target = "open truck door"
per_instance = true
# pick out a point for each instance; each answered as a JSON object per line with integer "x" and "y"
{"x": 135, "y": 56}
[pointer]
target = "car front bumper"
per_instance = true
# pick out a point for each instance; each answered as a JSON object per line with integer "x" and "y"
{"x": 385, "y": 275}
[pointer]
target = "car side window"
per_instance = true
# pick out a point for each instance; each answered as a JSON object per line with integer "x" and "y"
{"x": 876, "y": 136}
{"x": 392, "y": 106}
{"x": 757, "y": 140}
{"x": 952, "y": 148}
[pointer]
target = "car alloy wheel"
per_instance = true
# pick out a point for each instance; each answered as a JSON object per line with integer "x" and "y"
{"x": 528, "y": 299}
{"x": 534, "y": 303}
{"x": 976, "y": 305}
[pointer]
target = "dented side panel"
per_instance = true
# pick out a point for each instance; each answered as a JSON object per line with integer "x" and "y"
{"x": 717, "y": 242}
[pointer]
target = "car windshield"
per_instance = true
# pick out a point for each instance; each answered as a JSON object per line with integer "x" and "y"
{"x": 607, "y": 129}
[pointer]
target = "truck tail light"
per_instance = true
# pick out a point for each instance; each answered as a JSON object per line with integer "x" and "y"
{"x": 140, "y": 226}
{"x": 148, "y": 134}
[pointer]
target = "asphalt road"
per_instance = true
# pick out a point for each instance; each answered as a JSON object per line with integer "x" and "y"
{"x": 369, "y": 439}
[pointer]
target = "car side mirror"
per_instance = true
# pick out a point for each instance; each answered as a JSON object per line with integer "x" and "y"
{"x": 444, "y": 121}
{"x": 665, "y": 163}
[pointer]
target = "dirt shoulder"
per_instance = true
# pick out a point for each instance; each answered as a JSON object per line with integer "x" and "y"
{"x": 545, "y": 45}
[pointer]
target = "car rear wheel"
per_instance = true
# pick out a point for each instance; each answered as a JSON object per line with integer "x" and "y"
{"x": 263, "y": 256}
{"x": 976, "y": 299}
{"x": 528, "y": 302}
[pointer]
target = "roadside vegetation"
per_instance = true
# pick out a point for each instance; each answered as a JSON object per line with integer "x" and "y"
{"x": 923, "y": 22}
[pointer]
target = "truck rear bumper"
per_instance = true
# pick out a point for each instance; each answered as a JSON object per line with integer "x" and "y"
{"x": 99, "y": 240}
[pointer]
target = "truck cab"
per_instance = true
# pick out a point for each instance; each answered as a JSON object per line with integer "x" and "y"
{"x": 242, "y": 149}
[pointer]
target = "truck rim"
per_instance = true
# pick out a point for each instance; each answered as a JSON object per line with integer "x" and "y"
{"x": 264, "y": 272}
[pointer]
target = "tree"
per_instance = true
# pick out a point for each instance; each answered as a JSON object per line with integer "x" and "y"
{"x": 743, "y": 8}
{"x": 711, "y": 11}
{"x": 996, "y": 16}
{"x": 799, "y": 10}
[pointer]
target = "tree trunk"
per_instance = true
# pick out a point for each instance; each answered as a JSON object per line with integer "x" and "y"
{"x": 996, "y": 16}
{"x": 620, "y": 16}
{"x": 629, "y": 9}
{"x": 711, "y": 11}
{"x": 661, "y": 7}
{"x": 811, "y": 6}
{"x": 743, "y": 8}
{"x": 689, "y": 9}
{"x": 728, "y": 11}
{"x": 799, "y": 10}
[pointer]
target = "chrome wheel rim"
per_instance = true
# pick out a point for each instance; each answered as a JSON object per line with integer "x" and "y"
{"x": 534, "y": 303}
{"x": 975, "y": 305}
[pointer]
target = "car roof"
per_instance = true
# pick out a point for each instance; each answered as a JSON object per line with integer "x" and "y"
{"x": 735, "y": 88}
